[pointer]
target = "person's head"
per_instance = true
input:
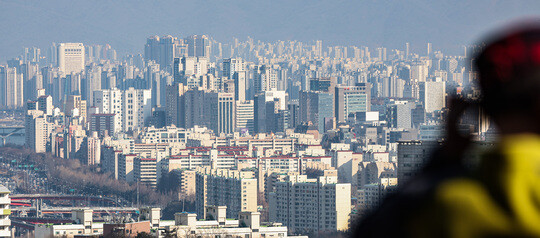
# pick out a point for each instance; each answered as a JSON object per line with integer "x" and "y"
{"x": 509, "y": 72}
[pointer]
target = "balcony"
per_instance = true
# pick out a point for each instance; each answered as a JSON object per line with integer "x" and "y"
{"x": 5, "y": 222}
{"x": 5, "y": 200}
{"x": 5, "y": 233}
{"x": 5, "y": 212}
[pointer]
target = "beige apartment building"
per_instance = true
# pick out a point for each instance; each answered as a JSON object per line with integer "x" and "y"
{"x": 222, "y": 187}
{"x": 304, "y": 204}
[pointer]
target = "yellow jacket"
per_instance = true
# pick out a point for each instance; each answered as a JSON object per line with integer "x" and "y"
{"x": 504, "y": 199}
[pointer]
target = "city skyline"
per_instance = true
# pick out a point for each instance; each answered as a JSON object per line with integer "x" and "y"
{"x": 374, "y": 24}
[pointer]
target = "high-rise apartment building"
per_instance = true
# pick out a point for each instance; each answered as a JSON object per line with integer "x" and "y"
{"x": 264, "y": 79}
{"x": 352, "y": 99}
{"x": 145, "y": 171}
{"x": 45, "y": 104}
{"x": 222, "y": 187}
{"x": 75, "y": 102}
{"x": 37, "y": 130}
{"x": 5, "y": 212}
{"x": 433, "y": 95}
{"x": 163, "y": 50}
{"x": 11, "y": 88}
{"x": 90, "y": 154}
{"x": 412, "y": 155}
{"x": 71, "y": 58}
{"x": 198, "y": 46}
{"x": 132, "y": 107}
{"x": 316, "y": 205}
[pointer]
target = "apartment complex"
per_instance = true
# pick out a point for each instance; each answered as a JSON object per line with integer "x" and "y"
{"x": 237, "y": 190}
{"x": 304, "y": 204}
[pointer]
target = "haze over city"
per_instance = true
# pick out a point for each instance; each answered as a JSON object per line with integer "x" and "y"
{"x": 251, "y": 119}
{"x": 125, "y": 24}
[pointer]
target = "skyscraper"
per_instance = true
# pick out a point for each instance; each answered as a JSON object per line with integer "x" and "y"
{"x": 37, "y": 130}
{"x": 352, "y": 99}
{"x": 236, "y": 69}
{"x": 11, "y": 88}
{"x": 198, "y": 46}
{"x": 71, "y": 58}
{"x": 220, "y": 112}
{"x": 316, "y": 107}
{"x": 266, "y": 106}
{"x": 433, "y": 95}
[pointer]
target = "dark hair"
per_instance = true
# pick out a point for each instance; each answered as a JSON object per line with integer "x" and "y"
{"x": 509, "y": 70}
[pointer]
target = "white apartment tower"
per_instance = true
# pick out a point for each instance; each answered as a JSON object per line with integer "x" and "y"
{"x": 71, "y": 57}
{"x": 132, "y": 107}
{"x": 37, "y": 130}
{"x": 5, "y": 211}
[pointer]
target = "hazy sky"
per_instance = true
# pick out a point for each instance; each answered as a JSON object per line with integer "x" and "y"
{"x": 125, "y": 24}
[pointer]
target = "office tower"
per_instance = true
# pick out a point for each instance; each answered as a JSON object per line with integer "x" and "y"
{"x": 432, "y": 95}
{"x": 352, "y": 99}
{"x": 244, "y": 116}
{"x": 5, "y": 222}
{"x": 411, "y": 157}
{"x": 240, "y": 195}
{"x": 220, "y": 112}
{"x": 429, "y": 49}
{"x": 264, "y": 79}
{"x": 11, "y": 88}
{"x": 316, "y": 107}
{"x": 399, "y": 114}
{"x": 236, "y": 69}
{"x": 198, "y": 46}
{"x": 177, "y": 68}
{"x": 175, "y": 105}
{"x": 103, "y": 124}
{"x": 315, "y": 205}
{"x": 294, "y": 111}
{"x": 75, "y": 102}
{"x": 145, "y": 171}
{"x": 37, "y": 130}
{"x": 322, "y": 84}
{"x": 71, "y": 57}
{"x": 193, "y": 111}
{"x": 45, "y": 105}
{"x": 265, "y": 107}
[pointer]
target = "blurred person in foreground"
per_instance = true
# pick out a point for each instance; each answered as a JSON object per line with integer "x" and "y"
{"x": 499, "y": 198}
